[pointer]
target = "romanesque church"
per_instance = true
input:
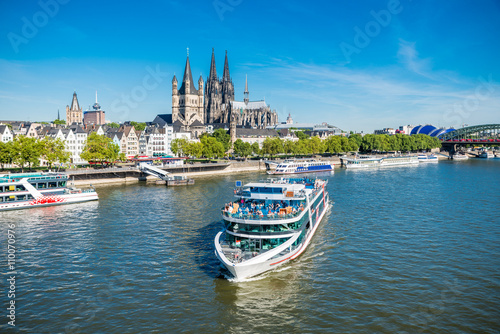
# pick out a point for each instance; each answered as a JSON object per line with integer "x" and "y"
{"x": 214, "y": 104}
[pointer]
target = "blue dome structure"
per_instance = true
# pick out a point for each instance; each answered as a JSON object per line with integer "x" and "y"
{"x": 430, "y": 130}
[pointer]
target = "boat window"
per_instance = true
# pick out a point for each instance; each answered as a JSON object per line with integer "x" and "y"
{"x": 21, "y": 197}
{"x": 1, "y": 199}
{"x": 52, "y": 184}
{"x": 20, "y": 187}
{"x": 10, "y": 188}
{"x": 41, "y": 185}
{"x": 10, "y": 198}
{"x": 62, "y": 184}
{"x": 30, "y": 196}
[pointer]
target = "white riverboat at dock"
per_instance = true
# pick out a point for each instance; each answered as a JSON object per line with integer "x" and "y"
{"x": 386, "y": 161}
{"x": 296, "y": 166}
{"x": 28, "y": 190}
{"x": 270, "y": 223}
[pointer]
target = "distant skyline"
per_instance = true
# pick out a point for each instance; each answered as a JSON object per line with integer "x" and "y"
{"x": 360, "y": 65}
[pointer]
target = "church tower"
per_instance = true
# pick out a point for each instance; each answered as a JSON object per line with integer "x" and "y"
{"x": 74, "y": 113}
{"x": 213, "y": 94}
{"x": 246, "y": 93}
{"x": 175, "y": 100}
{"x": 227, "y": 84}
{"x": 190, "y": 100}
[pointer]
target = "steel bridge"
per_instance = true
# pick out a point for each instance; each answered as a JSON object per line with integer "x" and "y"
{"x": 486, "y": 131}
{"x": 487, "y": 134}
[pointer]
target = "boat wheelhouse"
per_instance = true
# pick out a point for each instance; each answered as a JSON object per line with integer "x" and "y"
{"x": 28, "y": 190}
{"x": 293, "y": 166}
{"x": 270, "y": 223}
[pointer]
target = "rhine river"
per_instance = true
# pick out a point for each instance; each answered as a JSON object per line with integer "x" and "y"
{"x": 402, "y": 250}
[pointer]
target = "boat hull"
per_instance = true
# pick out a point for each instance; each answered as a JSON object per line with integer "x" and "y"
{"x": 50, "y": 201}
{"x": 255, "y": 267}
{"x": 301, "y": 172}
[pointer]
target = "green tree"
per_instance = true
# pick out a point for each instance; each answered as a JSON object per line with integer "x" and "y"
{"x": 357, "y": 138}
{"x": 256, "y": 148}
{"x": 212, "y": 147}
{"x": 272, "y": 146}
{"x": 27, "y": 151}
{"x": 100, "y": 148}
{"x": 179, "y": 146}
{"x": 54, "y": 150}
{"x": 242, "y": 148}
{"x": 114, "y": 125}
{"x": 333, "y": 145}
{"x": 316, "y": 145}
{"x": 59, "y": 122}
{"x": 301, "y": 135}
{"x": 290, "y": 147}
{"x": 6, "y": 153}
{"x": 138, "y": 126}
{"x": 195, "y": 149}
{"x": 223, "y": 137}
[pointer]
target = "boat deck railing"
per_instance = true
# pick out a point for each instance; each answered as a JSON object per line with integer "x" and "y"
{"x": 238, "y": 255}
{"x": 31, "y": 177}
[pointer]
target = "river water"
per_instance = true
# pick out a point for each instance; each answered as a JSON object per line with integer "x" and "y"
{"x": 402, "y": 250}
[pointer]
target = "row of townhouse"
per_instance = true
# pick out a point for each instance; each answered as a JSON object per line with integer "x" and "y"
{"x": 155, "y": 140}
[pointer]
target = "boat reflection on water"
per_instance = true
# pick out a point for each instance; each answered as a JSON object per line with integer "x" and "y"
{"x": 263, "y": 303}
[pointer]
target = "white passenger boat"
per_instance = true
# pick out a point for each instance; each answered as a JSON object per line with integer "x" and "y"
{"x": 302, "y": 166}
{"x": 459, "y": 156}
{"x": 403, "y": 160}
{"x": 486, "y": 155}
{"x": 424, "y": 158}
{"x": 369, "y": 161}
{"x": 270, "y": 223}
{"x": 361, "y": 162}
{"x": 28, "y": 190}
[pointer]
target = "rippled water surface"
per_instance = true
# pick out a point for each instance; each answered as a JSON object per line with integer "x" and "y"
{"x": 408, "y": 250}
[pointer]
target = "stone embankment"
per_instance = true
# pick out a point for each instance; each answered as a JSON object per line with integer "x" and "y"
{"x": 131, "y": 174}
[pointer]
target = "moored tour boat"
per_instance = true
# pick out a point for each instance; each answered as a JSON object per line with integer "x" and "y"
{"x": 270, "y": 223}
{"x": 369, "y": 161}
{"x": 28, "y": 190}
{"x": 459, "y": 156}
{"x": 428, "y": 158}
{"x": 486, "y": 155}
{"x": 293, "y": 166}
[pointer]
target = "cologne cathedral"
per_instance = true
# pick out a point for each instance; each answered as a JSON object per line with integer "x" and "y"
{"x": 214, "y": 104}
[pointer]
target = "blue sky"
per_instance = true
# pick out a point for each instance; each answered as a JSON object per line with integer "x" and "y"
{"x": 359, "y": 65}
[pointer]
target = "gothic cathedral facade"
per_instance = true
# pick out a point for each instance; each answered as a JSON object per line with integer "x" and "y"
{"x": 193, "y": 108}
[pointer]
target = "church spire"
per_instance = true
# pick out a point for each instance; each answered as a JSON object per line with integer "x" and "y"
{"x": 74, "y": 103}
{"x": 225, "y": 75}
{"x": 213, "y": 70}
{"x": 187, "y": 82}
{"x": 245, "y": 93}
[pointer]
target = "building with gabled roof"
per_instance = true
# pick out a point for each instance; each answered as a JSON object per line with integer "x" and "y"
{"x": 5, "y": 134}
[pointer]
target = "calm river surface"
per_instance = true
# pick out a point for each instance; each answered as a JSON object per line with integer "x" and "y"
{"x": 403, "y": 250}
